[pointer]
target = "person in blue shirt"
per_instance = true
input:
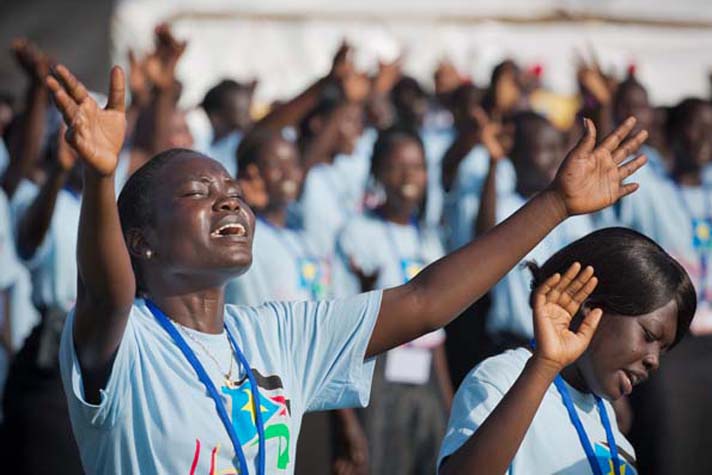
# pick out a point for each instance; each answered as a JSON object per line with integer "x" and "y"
{"x": 405, "y": 419}
{"x": 284, "y": 264}
{"x": 228, "y": 106}
{"x": 546, "y": 407}
{"x": 46, "y": 221}
{"x": 676, "y": 211}
{"x": 536, "y": 155}
{"x": 177, "y": 381}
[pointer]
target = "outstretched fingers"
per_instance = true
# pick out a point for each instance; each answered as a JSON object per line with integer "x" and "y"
{"x": 614, "y": 139}
{"x": 629, "y": 147}
{"x": 66, "y": 105}
{"x": 630, "y": 167}
{"x": 71, "y": 84}
{"x": 587, "y": 284}
{"x": 588, "y": 141}
{"x": 560, "y": 289}
{"x": 542, "y": 292}
{"x": 117, "y": 90}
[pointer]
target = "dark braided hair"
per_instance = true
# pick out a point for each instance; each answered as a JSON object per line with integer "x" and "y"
{"x": 635, "y": 275}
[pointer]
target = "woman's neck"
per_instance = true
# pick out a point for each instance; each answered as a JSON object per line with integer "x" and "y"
{"x": 572, "y": 375}
{"x": 396, "y": 213}
{"x": 200, "y": 310}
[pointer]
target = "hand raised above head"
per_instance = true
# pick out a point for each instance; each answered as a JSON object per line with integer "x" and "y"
{"x": 556, "y": 302}
{"x": 96, "y": 134}
{"x": 591, "y": 176}
{"x": 31, "y": 59}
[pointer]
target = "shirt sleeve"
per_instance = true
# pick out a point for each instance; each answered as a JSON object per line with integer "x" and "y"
{"x": 115, "y": 393}
{"x": 325, "y": 343}
{"x": 477, "y": 397}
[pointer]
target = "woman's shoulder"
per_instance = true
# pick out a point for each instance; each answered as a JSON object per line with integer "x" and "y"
{"x": 499, "y": 371}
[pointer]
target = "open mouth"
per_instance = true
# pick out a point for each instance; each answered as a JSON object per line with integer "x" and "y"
{"x": 410, "y": 190}
{"x": 289, "y": 187}
{"x": 229, "y": 230}
{"x": 630, "y": 380}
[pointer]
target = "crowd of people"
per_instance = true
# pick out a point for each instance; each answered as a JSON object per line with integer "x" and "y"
{"x": 456, "y": 280}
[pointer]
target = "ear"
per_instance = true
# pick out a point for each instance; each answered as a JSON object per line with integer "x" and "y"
{"x": 137, "y": 244}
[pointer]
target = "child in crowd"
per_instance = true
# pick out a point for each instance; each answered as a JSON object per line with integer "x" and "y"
{"x": 387, "y": 247}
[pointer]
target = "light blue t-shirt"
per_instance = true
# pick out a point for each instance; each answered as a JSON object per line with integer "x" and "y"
{"x": 333, "y": 193}
{"x": 395, "y": 252}
{"x": 284, "y": 267}
{"x": 435, "y": 143}
{"x": 4, "y": 156}
{"x": 551, "y": 444}
{"x": 155, "y": 415}
{"x": 14, "y": 279}
{"x": 679, "y": 218}
{"x": 53, "y": 267}
{"x": 463, "y": 200}
{"x": 510, "y": 310}
{"x": 647, "y": 177}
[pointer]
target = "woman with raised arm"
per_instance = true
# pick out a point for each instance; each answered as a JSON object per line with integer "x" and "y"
{"x": 547, "y": 409}
{"x": 176, "y": 381}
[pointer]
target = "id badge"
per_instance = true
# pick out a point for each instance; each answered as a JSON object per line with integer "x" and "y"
{"x": 410, "y": 268}
{"x": 702, "y": 233}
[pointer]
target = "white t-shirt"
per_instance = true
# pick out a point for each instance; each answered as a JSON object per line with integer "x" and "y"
{"x": 155, "y": 416}
{"x": 551, "y": 445}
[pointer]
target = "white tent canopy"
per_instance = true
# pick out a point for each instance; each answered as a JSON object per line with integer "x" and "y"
{"x": 287, "y": 43}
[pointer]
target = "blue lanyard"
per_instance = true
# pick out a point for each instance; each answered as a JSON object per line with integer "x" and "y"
{"x": 701, "y": 253}
{"x": 394, "y": 245}
{"x": 576, "y": 421}
{"x": 299, "y": 251}
{"x": 165, "y": 322}
{"x": 583, "y": 437}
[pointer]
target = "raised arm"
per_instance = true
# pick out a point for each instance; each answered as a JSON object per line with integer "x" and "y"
{"x": 25, "y": 149}
{"x": 589, "y": 179}
{"x": 106, "y": 280}
{"x": 292, "y": 111}
{"x": 494, "y": 444}
{"x": 36, "y": 220}
{"x": 487, "y": 212}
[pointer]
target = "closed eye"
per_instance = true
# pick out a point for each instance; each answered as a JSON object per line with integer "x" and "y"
{"x": 650, "y": 337}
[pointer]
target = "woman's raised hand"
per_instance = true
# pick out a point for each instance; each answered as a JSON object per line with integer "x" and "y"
{"x": 591, "y": 177}
{"x": 556, "y": 302}
{"x": 96, "y": 134}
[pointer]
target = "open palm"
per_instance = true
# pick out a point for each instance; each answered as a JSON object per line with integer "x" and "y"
{"x": 96, "y": 134}
{"x": 556, "y": 302}
{"x": 591, "y": 177}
